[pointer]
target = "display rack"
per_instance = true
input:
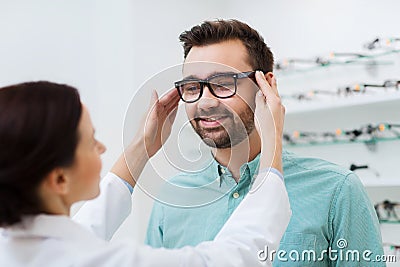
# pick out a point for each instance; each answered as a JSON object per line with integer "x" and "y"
{"x": 314, "y": 109}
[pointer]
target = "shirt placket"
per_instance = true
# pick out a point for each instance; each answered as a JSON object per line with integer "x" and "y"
{"x": 239, "y": 190}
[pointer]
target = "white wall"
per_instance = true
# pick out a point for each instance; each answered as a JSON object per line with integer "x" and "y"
{"x": 108, "y": 49}
{"x": 88, "y": 44}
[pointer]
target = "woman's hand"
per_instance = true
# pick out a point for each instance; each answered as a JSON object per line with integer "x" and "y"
{"x": 269, "y": 120}
{"x": 153, "y": 131}
{"x": 158, "y": 123}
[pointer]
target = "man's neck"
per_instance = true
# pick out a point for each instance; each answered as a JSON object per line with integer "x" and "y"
{"x": 234, "y": 157}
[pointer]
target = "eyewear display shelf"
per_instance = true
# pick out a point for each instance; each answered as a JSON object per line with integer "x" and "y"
{"x": 329, "y": 112}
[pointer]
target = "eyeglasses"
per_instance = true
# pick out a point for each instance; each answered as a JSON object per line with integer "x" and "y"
{"x": 381, "y": 43}
{"x": 354, "y": 167}
{"x": 345, "y": 91}
{"x": 385, "y": 46}
{"x": 368, "y": 134}
{"x": 221, "y": 85}
{"x": 388, "y": 211}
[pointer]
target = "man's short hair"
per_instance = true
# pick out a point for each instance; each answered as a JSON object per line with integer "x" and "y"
{"x": 213, "y": 32}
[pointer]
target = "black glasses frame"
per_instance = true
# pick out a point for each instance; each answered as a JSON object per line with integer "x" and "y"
{"x": 206, "y": 82}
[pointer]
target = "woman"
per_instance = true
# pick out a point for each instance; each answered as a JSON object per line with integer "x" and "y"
{"x": 50, "y": 159}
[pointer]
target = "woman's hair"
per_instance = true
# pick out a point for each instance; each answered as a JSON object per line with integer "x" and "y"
{"x": 38, "y": 133}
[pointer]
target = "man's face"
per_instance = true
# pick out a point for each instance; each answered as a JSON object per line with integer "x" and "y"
{"x": 221, "y": 123}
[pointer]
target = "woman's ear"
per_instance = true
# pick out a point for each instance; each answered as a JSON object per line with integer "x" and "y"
{"x": 57, "y": 181}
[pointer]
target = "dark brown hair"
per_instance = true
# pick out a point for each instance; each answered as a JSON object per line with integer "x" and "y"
{"x": 212, "y": 32}
{"x": 38, "y": 132}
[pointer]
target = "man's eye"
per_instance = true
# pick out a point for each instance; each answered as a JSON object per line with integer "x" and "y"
{"x": 191, "y": 89}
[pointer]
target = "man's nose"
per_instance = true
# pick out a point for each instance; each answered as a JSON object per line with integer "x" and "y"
{"x": 207, "y": 100}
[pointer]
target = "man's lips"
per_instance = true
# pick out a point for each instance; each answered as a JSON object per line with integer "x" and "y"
{"x": 211, "y": 122}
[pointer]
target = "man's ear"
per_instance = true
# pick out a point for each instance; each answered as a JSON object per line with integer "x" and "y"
{"x": 269, "y": 76}
{"x": 57, "y": 181}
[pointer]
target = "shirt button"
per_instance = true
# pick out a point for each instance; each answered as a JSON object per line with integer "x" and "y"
{"x": 223, "y": 171}
{"x": 235, "y": 195}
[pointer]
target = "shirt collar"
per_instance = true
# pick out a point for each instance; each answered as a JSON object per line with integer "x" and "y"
{"x": 224, "y": 172}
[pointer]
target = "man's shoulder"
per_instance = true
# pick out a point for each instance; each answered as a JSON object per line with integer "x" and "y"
{"x": 319, "y": 181}
{"x": 314, "y": 174}
{"x": 294, "y": 165}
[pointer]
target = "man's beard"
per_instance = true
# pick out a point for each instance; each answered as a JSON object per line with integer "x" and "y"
{"x": 237, "y": 128}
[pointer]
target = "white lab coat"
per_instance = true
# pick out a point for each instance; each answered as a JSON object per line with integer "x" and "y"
{"x": 57, "y": 241}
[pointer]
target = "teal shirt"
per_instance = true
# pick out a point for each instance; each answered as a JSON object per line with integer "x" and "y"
{"x": 329, "y": 208}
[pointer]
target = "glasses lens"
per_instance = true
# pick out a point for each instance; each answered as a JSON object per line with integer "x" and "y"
{"x": 190, "y": 90}
{"x": 223, "y": 86}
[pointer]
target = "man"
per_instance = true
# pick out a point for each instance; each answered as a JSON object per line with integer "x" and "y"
{"x": 332, "y": 215}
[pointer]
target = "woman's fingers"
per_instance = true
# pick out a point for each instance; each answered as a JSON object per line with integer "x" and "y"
{"x": 161, "y": 108}
{"x": 260, "y": 99}
{"x": 152, "y": 112}
{"x": 263, "y": 84}
{"x": 170, "y": 98}
{"x": 268, "y": 102}
{"x": 169, "y": 103}
{"x": 172, "y": 115}
{"x": 267, "y": 85}
{"x": 269, "y": 119}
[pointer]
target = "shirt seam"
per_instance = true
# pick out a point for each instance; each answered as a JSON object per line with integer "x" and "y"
{"x": 337, "y": 191}
{"x": 333, "y": 205}
{"x": 310, "y": 169}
